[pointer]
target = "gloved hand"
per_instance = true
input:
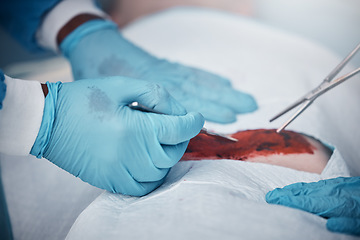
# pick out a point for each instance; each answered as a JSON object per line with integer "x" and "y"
{"x": 97, "y": 49}
{"x": 88, "y": 130}
{"x": 337, "y": 199}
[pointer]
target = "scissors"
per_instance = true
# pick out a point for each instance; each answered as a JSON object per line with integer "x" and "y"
{"x": 327, "y": 84}
{"x": 143, "y": 108}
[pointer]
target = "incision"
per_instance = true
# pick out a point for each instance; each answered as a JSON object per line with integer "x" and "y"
{"x": 287, "y": 148}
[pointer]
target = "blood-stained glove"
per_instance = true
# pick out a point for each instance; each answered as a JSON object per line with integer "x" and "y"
{"x": 89, "y": 131}
{"x": 97, "y": 49}
{"x": 337, "y": 199}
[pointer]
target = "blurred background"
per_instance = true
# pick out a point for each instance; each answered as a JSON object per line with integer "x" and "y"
{"x": 331, "y": 23}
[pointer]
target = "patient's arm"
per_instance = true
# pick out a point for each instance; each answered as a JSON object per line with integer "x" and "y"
{"x": 288, "y": 149}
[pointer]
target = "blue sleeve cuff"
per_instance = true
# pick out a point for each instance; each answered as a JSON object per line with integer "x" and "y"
{"x": 2, "y": 88}
{"x": 21, "y": 18}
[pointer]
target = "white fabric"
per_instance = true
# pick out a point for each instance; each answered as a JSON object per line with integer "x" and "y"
{"x": 59, "y": 16}
{"x": 21, "y": 116}
{"x": 204, "y": 200}
{"x": 224, "y": 199}
{"x": 43, "y": 200}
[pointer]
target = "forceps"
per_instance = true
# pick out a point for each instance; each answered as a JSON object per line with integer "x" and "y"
{"x": 143, "y": 108}
{"x": 327, "y": 84}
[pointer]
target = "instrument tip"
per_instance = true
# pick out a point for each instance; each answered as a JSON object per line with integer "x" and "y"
{"x": 279, "y": 129}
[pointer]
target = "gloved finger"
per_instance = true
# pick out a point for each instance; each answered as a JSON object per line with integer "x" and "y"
{"x": 149, "y": 94}
{"x": 172, "y": 130}
{"x": 237, "y": 101}
{"x": 128, "y": 185}
{"x": 143, "y": 151}
{"x": 210, "y": 110}
{"x": 328, "y": 187}
{"x": 344, "y": 225}
{"x": 324, "y": 205}
{"x": 158, "y": 162}
{"x": 209, "y": 79}
{"x": 175, "y": 72}
{"x": 143, "y": 169}
{"x": 174, "y": 153}
{"x": 296, "y": 189}
{"x": 162, "y": 156}
{"x": 324, "y": 184}
{"x": 191, "y": 87}
{"x": 144, "y": 188}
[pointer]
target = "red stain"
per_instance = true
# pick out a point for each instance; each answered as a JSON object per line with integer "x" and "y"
{"x": 251, "y": 143}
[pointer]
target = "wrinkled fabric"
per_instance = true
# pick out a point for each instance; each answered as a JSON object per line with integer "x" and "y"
{"x": 5, "y": 225}
{"x": 208, "y": 199}
{"x": 225, "y": 199}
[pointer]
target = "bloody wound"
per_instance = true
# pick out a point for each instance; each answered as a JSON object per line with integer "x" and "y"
{"x": 251, "y": 143}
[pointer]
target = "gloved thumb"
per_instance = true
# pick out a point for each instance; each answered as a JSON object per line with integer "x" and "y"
{"x": 344, "y": 225}
{"x": 173, "y": 130}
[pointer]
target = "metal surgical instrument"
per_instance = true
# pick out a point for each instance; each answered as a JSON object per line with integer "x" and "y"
{"x": 142, "y": 108}
{"x": 327, "y": 84}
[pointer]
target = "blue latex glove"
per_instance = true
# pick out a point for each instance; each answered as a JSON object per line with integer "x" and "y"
{"x": 97, "y": 49}
{"x": 88, "y": 130}
{"x": 337, "y": 199}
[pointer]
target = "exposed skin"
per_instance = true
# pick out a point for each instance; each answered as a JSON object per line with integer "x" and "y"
{"x": 314, "y": 163}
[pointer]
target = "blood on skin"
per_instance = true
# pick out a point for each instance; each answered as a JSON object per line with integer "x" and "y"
{"x": 251, "y": 143}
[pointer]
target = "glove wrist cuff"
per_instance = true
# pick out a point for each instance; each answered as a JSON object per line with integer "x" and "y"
{"x": 71, "y": 40}
{"x": 47, "y": 122}
{"x": 73, "y": 24}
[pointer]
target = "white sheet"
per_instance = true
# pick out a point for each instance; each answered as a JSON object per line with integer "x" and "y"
{"x": 224, "y": 199}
